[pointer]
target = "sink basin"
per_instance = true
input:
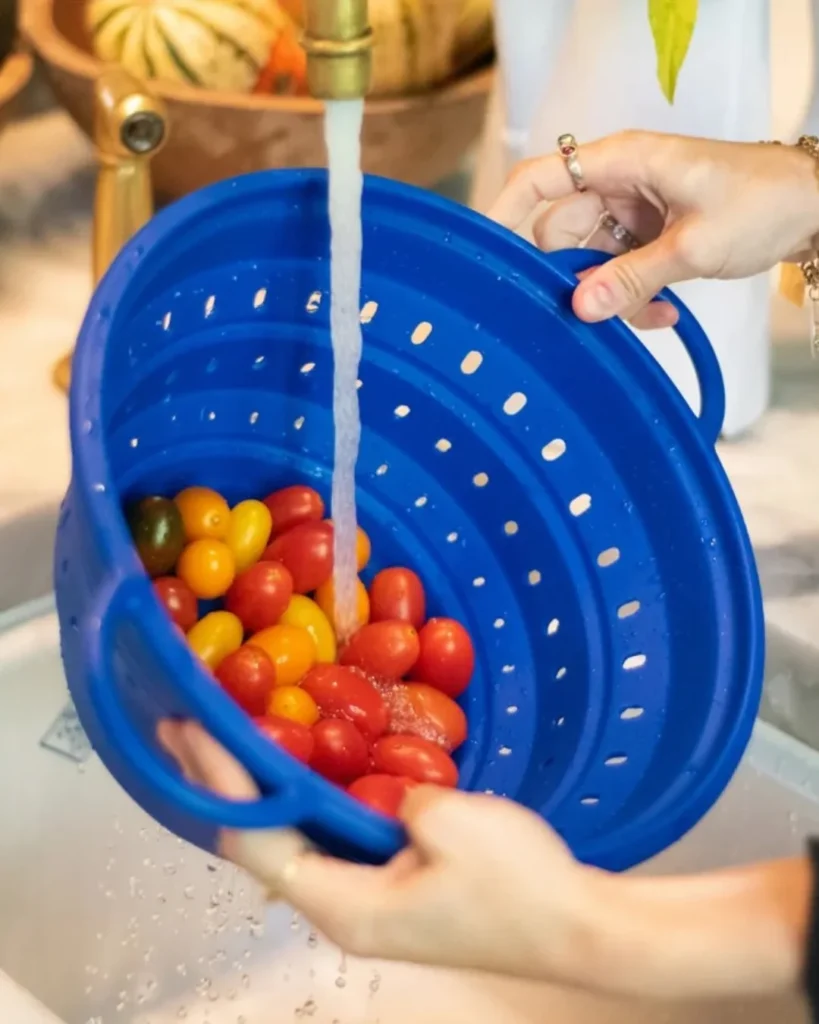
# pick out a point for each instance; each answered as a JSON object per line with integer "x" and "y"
{"x": 107, "y": 918}
{"x": 26, "y": 555}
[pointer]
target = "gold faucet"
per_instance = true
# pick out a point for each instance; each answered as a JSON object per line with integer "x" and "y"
{"x": 130, "y": 127}
{"x": 338, "y": 40}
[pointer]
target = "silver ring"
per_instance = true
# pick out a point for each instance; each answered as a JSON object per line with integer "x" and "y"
{"x": 567, "y": 147}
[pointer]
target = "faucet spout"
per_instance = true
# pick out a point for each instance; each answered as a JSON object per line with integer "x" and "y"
{"x": 338, "y": 41}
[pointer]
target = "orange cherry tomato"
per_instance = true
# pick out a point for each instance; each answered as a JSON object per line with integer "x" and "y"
{"x": 249, "y": 676}
{"x": 382, "y": 793}
{"x": 214, "y": 637}
{"x": 204, "y": 513}
{"x": 290, "y": 648}
{"x": 398, "y": 593}
{"x": 292, "y": 506}
{"x": 415, "y": 758}
{"x": 248, "y": 532}
{"x": 447, "y": 657}
{"x": 388, "y": 649}
{"x": 294, "y": 704}
{"x": 208, "y": 567}
{"x": 326, "y": 600}
{"x": 417, "y": 709}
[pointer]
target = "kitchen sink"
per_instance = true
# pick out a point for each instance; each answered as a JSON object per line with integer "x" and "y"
{"x": 26, "y": 553}
{"x": 107, "y": 918}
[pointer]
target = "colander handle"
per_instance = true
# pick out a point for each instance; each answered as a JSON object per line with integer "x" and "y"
{"x": 124, "y": 602}
{"x": 569, "y": 262}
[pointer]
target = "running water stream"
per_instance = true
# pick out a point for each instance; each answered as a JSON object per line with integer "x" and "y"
{"x": 342, "y": 128}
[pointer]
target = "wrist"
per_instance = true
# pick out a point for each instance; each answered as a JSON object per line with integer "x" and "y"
{"x": 804, "y": 160}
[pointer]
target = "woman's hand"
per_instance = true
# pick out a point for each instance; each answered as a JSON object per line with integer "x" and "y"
{"x": 702, "y": 208}
{"x": 486, "y": 885}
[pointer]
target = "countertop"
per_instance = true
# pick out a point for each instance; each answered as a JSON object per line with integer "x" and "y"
{"x": 46, "y": 189}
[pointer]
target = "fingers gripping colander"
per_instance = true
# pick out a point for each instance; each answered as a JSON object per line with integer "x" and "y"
{"x": 543, "y": 476}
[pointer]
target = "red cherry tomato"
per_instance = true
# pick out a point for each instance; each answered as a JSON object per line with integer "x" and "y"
{"x": 447, "y": 658}
{"x": 398, "y": 594}
{"x": 292, "y": 506}
{"x": 249, "y": 676}
{"x": 340, "y": 752}
{"x": 388, "y": 648}
{"x": 383, "y": 793}
{"x": 260, "y": 595}
{"x": 178, "y": 600}
{"x": 417, "y": 709}
{"x": 307, "y": 551}
{"x": 294, "y": 737}
{"x": 415, "y": 758}
{"x": 343, "y": 692}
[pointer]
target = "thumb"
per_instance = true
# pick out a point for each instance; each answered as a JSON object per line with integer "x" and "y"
{"x": 623, "y": 286}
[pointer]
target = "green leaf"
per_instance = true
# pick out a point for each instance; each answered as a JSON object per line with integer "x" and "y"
{"x": 672, "y": 25}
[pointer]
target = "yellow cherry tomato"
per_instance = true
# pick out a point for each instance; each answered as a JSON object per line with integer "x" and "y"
{"x": 248, "y": 533}
{"x": 290, "y": 648}
{"x": 293, "y": 703}
{"x": 204, "y": 513}
{"x": 326, "y": 600}
{"x": 208, "y": 567}
{"x": 216, "y": 636}
{"x": 305, "y": 613}
{"x": 363, "y": 549}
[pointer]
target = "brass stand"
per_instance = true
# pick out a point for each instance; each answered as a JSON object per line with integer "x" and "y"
{"x": 130, "y": 127}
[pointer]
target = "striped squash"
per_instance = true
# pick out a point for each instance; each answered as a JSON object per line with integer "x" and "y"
{"x": 421, "y": 43}
{"x": 214, "y": 44}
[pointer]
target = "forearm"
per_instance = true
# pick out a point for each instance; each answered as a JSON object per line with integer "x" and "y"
{"x": 725, "y": 933}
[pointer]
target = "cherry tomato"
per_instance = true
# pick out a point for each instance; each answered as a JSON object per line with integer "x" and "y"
{"x": 447, "y": 658}
{"x": 292, "y": 506}
{"x": 214, "y": 637}
{"x": 417, "y": 709}
{"x": 295, "y": 738}
{"x": 305, "y": 613}
{"x": 159, "y": 536}
{"x": 294, "y": 704}
{"x": 387, "y": 648}
{"x": 178, "y": 600}
{"x": 205, "y": 514}
{"x": 248, "y": 533}
{"x": 307, "y": 551}
{"x": 342, "y": 692}
{"x": 415, "y": 758}
{"x": 260, "y": 594}
{"x": 291, "y": 650}
{"x": 249, "y": 676}
{"x": 340, "y": 752}
{"x": 326, "y": 600}
{"x": 207, "y": 567}
{"x": 382, "y": 793}
{"x": 398, "y": 594}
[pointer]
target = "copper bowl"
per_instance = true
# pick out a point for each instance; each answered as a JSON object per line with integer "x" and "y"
{"x": 15, "y": 72}
{"x": 419, "y": 139}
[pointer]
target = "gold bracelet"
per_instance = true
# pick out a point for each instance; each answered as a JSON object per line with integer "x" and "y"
{"x": 798, "y": 279}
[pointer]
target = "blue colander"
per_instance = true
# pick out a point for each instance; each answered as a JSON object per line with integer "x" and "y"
{"x": 543, "y": 476}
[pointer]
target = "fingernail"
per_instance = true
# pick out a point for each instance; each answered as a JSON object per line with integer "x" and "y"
{"x": 599, "y": 302}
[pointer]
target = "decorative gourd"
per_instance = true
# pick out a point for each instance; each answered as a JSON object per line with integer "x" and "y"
{"x": 215, "y": 44}
{"x": 421, "y": 43}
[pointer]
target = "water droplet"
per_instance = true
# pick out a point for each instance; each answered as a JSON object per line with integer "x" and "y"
{"x": 375, "y": 982}
{"x": 341, "y": 982}
{"x": 245, "y": 981}
{"x": 342, "y": 967}
{"x": 188, "y": 892}
{"x": 312, "y": 940}
{"x": 295, "y": 924}
{"x": 182, "y": 970}
{"x": 182, "y": 1012}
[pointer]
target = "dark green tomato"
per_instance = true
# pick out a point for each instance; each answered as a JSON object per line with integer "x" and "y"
{"x": 156, "y": 526}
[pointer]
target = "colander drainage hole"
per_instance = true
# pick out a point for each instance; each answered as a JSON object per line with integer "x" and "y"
{"x": 608, "y": 557}
{"x": 534, "y": 577}
{"x": 512, "y": 709}
{"x": 253, "y": 418}
{"x": 553, "y": 627}
{"x": 259, "y": 362}
{"x": 510, "y": 528}
{"x": 308, "y": 368}
{"x": 298, "y": 422}
{"x": 134, "y": 442}
{"x": 634, "y": 661}
{"x": 382, "y": 469}
{"x": 210, "y": 305}
{"x": 471, "y": 362}
{"x": 479, "y": 581}
{"x": 480, "y": 479}
{"x": 504, "y": 751}
{"x": 499, "y": 623}
{"x": 561, "y": 672}
{"x": 420, "y": 502}
{"x": 421, "y": 333}
{"x": 554, "y": 449}
{"x": 443, "y": 445}
{"x": 401, "y": 411}
{"x": 313, "y": 302}
{"x": 508, "y": 669}
{"x": 629, "y": 714}
{"x": 166, "y": 322}
{"x": 625, "y": 611}
{"x": 615, "y": 760}
{"x": 590, "y": 801}
{"x": 451, "y": 537}
{"x": 514, "y": 403}
{"x": 580, "y": 505}
{"x": 260, "y": 298}
{"x": 368, "y": 311}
